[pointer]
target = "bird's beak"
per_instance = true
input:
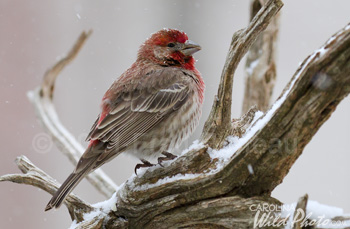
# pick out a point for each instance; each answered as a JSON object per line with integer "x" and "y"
{"x": 190, "y": 47}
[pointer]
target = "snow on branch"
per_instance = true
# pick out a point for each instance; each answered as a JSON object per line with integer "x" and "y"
{"x": 320, "y": 83}
{"x": 218, "y": 125}
{"x": 311, "y": 214}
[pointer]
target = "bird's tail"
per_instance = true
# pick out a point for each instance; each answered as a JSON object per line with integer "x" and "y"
{"x": 66, "y": 188}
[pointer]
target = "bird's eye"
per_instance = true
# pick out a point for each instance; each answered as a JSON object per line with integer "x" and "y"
{"x": 171, "y": 45}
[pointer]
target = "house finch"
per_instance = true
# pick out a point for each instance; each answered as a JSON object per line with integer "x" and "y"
{"x": 148, "y": 111}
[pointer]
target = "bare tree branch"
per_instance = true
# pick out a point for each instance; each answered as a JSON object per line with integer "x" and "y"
{"x": 41, "y": 99}
{"x": 311, "y": 217}
{"x": 218, "y": 125}
{"x": 301, "y": 207}
{"x": 260, "y": 67}
{"x": 34, "y": 176}
{"x": 317, "y": 87}
{"x": 235, "y": 212}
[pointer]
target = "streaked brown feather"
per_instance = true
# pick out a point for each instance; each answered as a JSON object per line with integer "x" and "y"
{"x": 88, "y": 138}
{"x": 137, "y": 111}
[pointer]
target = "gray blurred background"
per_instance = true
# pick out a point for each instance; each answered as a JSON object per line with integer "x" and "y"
{"x": 34, "y": 34}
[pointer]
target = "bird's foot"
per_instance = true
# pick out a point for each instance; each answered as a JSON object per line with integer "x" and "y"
{"x": 168, "y": 157}
{"x": 145, "y": 164}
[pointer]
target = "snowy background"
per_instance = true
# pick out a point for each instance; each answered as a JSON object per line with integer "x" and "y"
{"x": 33, "y": 34}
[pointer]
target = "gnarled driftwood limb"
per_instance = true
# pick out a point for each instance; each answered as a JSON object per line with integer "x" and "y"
{"x": 34, "y": 176}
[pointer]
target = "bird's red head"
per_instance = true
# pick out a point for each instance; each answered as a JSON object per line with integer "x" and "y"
{"x": 164, "y": 36}
{"x": 169, "y": 47}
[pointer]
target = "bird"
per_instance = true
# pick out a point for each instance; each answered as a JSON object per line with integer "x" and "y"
{"x": 148, "y": 111}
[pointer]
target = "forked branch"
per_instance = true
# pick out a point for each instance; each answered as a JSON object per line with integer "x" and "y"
{"x": 218, "y": 126}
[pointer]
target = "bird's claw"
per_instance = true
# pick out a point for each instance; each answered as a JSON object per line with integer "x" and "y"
{"x": 145, "y": 164}
{"x": 168, "y": 157}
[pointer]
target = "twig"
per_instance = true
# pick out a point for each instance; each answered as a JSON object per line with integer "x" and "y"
{"x": 41, "y": 99}
{"x": 260, "y": 66}
{"x": 300, "y": 209}
{"x": 241, "y": 125}
{"x": 34, "y": 176}
{"x": 218, "y": 125}
{"x": 311, "y": 217}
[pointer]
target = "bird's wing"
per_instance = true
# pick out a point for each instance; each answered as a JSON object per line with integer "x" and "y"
{"x": 93, "y": 127}
{"x": 138, "y": 110}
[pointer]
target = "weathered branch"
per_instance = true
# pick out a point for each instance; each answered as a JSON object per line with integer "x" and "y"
{"x": 260, "y": 66}
{"x": 308, "y": 215}
{"x": 299, "y": 209}
{"x": 222, "y": 212}
{"x": 218, "y": 125}
{"x": 34, "y": 176}
{"x": 317, "y": 87}
{"x": 41, "y": 99}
